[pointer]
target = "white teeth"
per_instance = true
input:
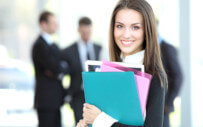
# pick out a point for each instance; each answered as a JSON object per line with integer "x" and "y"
{"x": 126, "y": 42}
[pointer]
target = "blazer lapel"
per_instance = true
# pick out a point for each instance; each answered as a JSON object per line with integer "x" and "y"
{"x": 78, "y": 61}
{"x": 96, "y": 51}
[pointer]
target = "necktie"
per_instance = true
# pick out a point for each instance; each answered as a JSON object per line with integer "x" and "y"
{"x": 88, "y": 55}
{"x": 54, "y": 46}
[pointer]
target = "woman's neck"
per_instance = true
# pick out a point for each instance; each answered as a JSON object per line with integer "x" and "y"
{"x": 131, "y": 53}
{"x": 136, "y": 58}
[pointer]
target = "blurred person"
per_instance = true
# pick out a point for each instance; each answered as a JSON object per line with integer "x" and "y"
{"x": 175, "y": 77}
{"x": 46, "y": 56}
{"x": 133, "y": 37}
{"x": 76, "y": 55}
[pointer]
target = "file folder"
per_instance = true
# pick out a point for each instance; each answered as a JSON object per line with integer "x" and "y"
{"x": 92, "y": 65}
{"x": 142, "y": 81}
{"x": 125, "y": 68}
{"x": 116, "y": 94}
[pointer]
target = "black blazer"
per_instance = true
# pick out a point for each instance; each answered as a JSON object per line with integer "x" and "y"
{"x": 155, "y": 105}
{"x": 49, "y": 91}
{"x": 71, "y": 56}
{"x": 173, "y": 71}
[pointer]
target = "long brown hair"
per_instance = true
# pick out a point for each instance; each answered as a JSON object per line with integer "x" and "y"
{"x": 152, "y": 56}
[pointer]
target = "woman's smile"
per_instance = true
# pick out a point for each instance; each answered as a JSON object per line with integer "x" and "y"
{"x": 127, "y": 42}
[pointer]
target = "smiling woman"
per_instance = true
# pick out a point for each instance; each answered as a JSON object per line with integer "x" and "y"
{"x": 133, "y": 38}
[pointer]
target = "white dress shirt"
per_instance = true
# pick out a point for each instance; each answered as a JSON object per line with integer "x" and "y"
{"x": 47, "y": 37}
{"x": 103, "y": 119}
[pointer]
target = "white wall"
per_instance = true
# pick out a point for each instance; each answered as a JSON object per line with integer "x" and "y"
{"x": 196, "y": 23}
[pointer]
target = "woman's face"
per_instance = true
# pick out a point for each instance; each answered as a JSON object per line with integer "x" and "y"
{"x": 129, "y": 31}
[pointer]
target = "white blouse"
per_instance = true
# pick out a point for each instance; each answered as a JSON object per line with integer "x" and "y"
{"x": 136, "y": 58}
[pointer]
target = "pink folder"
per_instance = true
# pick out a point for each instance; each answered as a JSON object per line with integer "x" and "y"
{"x": 142, "y": 81}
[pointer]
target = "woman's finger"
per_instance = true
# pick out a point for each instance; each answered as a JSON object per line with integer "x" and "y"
{"x": 78, "y": 124}
{"x": 86, "y": 105}
{"x": 86, "y": 113}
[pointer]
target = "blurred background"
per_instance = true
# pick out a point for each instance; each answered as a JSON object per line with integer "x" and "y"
{"x": 180, "y": 23}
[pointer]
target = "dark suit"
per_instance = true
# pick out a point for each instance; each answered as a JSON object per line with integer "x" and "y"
{"x": 49, "y": 91}
{"x": 173, "y": 71}
{"x": 71, "y": 55}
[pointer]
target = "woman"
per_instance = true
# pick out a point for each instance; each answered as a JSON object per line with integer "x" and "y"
{"x": 134, "y": 39}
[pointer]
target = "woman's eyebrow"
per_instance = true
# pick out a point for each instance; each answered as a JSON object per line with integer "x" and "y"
{"x": 119, "y": 22}
{"x": 137, "y": 24}
{"x": 131, "y": 24}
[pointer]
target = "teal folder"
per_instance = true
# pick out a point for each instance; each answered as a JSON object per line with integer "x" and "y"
{"x": 116, "y": 94}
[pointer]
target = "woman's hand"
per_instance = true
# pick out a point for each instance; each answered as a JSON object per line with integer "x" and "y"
{"x": 82, "y": 123}
{"x": 90, "y": 112}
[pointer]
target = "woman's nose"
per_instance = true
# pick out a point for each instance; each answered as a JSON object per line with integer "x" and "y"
{"x": 127, "y": 33}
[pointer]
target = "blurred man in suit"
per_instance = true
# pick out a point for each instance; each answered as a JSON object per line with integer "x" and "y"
{"x": 46, "y": 56}
{"x": 174, "y": 73}
{"x": 76, "y": 55}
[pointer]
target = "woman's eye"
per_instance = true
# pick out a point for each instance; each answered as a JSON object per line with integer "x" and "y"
{"x": 119, "y": 26}
{"x": 135, "y": 28}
